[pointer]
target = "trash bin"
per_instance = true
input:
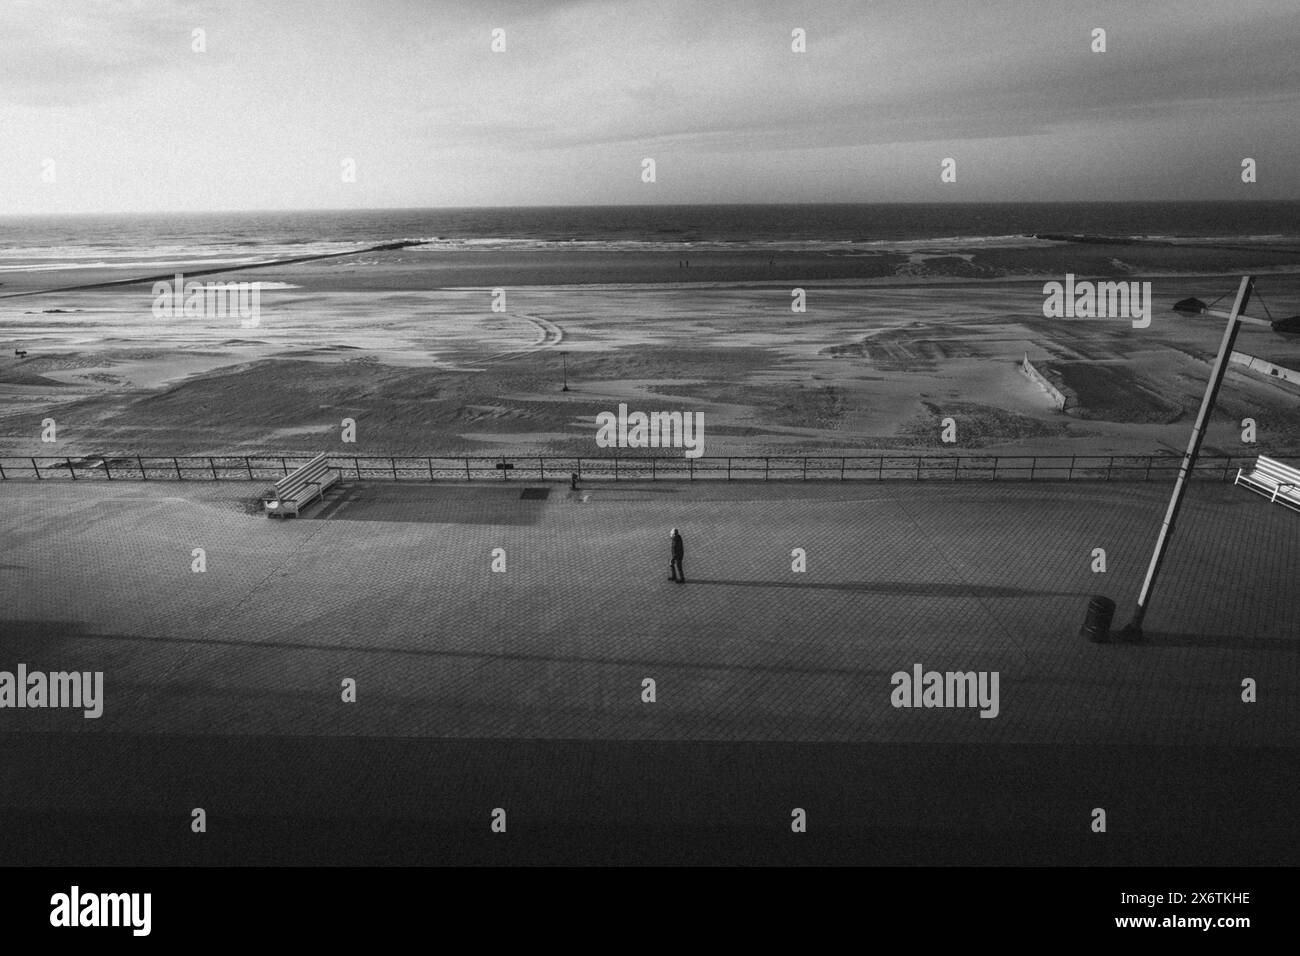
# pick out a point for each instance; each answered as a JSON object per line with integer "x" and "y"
{"x": 1096, "y": 626}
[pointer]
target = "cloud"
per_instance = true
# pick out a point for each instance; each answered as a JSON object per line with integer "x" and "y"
{"x": 58, "y": 53}
{"x": 412, "y": 90}
{"x": 873, "y": 75}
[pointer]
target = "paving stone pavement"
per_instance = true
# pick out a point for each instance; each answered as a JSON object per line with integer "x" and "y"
{"x": 391, "y": 585}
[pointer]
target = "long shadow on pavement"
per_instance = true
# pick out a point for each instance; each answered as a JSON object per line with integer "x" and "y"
{"x": 918, "y": 589}
{"x": 425, "y": 504}
{"x": 1158, "y": 639}
{"x": 74, "y": 630}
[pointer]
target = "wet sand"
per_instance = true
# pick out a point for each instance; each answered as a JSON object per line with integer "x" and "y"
{"x": 407, "y": 344}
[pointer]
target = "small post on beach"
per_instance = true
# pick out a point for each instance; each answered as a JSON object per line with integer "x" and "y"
{"x": 1133, "y": 630}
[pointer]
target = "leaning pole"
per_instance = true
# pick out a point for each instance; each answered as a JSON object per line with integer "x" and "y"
{"x": 1133, "y": 630}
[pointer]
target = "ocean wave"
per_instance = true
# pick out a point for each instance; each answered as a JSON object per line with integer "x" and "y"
{"x": 214, "y": 251}
{"x": 863, "y": 246}
{"x": 1170, "y": 239}
{"x": 1271, "y": 237}
{"x": 178, "y": 264}
{"x": 100, "y": 255}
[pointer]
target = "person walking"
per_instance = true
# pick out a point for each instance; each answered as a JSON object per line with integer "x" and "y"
{"x": 675, "y": 568}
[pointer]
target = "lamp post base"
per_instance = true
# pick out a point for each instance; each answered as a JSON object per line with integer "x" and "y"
{"x": 1130, "y": 633}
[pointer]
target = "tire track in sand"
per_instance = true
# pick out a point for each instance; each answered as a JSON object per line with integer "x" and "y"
{"x": 549, "y": 335}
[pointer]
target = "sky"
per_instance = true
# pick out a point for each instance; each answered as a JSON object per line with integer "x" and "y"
{"x": 106, "y": 105}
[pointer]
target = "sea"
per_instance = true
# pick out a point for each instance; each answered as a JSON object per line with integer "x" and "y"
{"x": 92, "y": 241}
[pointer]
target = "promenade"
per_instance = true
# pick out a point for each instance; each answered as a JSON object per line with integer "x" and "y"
{"x": 391, "y": 585}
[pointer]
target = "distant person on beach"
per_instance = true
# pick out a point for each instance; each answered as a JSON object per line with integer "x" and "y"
{"x": 675, "y": 568}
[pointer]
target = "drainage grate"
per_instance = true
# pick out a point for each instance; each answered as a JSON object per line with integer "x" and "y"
{"x": 535, "y": 494}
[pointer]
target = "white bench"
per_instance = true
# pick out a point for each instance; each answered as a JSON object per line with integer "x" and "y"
{"x": 299, "y": 487}
{"x": 1281, "y": 483}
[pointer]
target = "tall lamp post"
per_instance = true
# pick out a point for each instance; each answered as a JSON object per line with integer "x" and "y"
{"x": 1133, "y": 630}
{"x": 564, "y": 364}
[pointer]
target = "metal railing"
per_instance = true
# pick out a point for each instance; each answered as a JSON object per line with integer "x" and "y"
{"x": 637, "y": 468}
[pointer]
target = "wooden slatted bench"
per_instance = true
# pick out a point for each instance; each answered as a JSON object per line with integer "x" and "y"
{"x": 299, "y": 487}
{"x": 1279, "y": 482}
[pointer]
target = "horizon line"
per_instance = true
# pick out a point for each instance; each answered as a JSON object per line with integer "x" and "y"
{"x": 690, "y": 205}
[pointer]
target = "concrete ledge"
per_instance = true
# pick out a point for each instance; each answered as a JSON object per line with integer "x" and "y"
{"x": 1054, "y": 393}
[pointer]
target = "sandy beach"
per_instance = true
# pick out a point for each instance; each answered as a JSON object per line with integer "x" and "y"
{"x": 407, "y": 344}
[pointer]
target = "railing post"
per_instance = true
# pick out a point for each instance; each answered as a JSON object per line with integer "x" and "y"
{"x": 841, "y": 467}
{"x": 996, "y": 459}
{"x": 1227, "y": 468}
{"x": 176, "y": 462}
{"x": 283, "y": 467}
{"x": 144, "y": 475}
{"x": 580, "y": 469}
{"x": 2, "y": 471}
{"x": 880, "y": 468}
{"x": 72, "y": 471}
{"x": 654, "y": 468}
{"x": 467, "y": 474}
{"x": 918, "y": 469}
{"x": 956, "y": 468}
{"x": 36, "y": 469}
{"x": 728, "y": 468}
{"x": 248, "y": 466}
{"x": 1070, "y": 476}
{"x": 392, "y": 463}
{"x": 1109, "y": 464}
{"x": 213, "y": 465}
{"x": 692, "y": 467}
{"x": 1147, "y": 476}
{"x": 1033, "y": 466}
{"x": 805, "y": 468}
{"x": 108, "y": 472}
{"x": 766, "y": 462}
{"x": 356, "y": 463}
{"x": 541, "y": 467}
